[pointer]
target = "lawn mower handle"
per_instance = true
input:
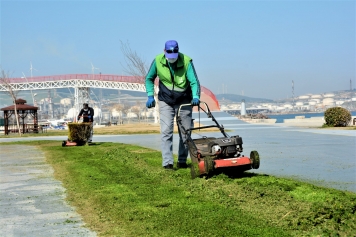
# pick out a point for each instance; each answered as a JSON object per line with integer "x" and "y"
{"x": 208, "y": 113}
{"x": 201, "y": 102}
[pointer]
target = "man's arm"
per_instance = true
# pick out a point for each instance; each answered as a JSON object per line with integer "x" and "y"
{"x": 150, "y": 79}
{"x": 193, "y": 80}
{"x": 80, "y": 114}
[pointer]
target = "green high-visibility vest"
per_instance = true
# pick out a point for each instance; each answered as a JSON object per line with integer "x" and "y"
{"x": 180, "y": 81}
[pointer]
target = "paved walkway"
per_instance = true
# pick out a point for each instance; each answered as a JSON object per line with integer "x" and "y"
{"x": 32, "y": 202}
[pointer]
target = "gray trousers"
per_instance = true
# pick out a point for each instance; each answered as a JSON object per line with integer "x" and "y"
{"x": 167, "y": 115}
{"x": 91, "y": 132}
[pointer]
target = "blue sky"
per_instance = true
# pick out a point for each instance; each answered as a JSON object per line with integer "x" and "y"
{"x": 255, "y": 48}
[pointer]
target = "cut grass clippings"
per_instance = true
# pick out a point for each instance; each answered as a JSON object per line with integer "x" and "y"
{"x": 122, "y": 190}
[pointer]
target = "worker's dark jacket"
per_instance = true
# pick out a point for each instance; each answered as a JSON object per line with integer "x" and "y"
{"x": 88, "y": 116}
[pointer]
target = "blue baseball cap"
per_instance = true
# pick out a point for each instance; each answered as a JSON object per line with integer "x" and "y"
{"x": 172, "y": 49}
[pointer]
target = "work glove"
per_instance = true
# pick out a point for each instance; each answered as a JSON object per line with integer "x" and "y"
{"x": 195, "y": 102}
{"x": 150, "y": 102}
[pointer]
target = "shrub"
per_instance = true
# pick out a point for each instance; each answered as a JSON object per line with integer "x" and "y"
{"x": 337, "y": 117}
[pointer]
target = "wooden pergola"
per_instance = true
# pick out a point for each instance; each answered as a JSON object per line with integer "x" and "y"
{"x": 22, "y": 111}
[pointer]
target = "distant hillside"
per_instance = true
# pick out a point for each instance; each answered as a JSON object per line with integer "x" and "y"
{"x": 238, "y": 98}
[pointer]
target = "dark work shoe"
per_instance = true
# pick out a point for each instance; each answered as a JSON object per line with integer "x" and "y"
{"x": 182, "y": 165}
{"x": 168, "y": 167}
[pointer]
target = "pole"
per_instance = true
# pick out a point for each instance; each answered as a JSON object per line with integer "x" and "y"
{"x": 33, "y": 99}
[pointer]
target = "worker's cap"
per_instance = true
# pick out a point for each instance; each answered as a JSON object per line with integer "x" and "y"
{"x": 172, "y": 49}
{"x": 85, "y": 104}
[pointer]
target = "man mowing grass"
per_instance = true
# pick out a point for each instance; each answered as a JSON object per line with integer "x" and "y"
{"x": 178, "y": 84}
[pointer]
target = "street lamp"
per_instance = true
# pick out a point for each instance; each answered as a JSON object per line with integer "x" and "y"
{"x": 33, "y": 100}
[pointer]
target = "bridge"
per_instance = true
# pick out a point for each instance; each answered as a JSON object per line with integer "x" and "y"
{"x": 83, "y": 82}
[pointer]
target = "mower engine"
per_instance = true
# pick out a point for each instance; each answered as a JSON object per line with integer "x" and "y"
{"x": 223, "y": 147}
{"x": 226, "y": 147}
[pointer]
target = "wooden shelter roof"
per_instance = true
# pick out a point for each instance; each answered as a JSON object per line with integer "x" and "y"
{"x": 20, "y": 105}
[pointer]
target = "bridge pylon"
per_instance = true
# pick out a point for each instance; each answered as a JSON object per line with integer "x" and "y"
{"x": 81, "y": 96}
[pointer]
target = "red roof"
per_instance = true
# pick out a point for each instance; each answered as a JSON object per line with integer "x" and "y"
{"x": 20, "y": 101}
{"x": 20, "y": 105}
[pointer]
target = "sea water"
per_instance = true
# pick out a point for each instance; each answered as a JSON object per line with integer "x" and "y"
{"x": 281, "y": 117}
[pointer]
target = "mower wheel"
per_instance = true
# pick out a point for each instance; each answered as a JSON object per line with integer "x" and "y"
{"x": 194, "y": 170}
{"x": 192, "y": 152}
{"x": 64, "y": 143}
{"x": 255, "y": 159}
{"x": 208, "y": 165}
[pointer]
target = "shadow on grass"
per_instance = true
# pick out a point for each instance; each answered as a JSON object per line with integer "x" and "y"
{"x": 232, "y": 173}
{"x": 238, "y": 175}
{"x": 69, "y": 143}
{"x": 235, "y": 174}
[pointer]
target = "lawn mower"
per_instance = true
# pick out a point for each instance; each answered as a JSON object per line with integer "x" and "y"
{"x": 79, "y": 134}
{"x": 211, "y": 155}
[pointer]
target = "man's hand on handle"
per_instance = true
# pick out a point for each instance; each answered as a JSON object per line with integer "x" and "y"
{"x": 88, "y": 116}
{"x": 195, "y": 102}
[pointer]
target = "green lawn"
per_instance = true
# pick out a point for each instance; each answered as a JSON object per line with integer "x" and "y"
{"x": 122, "y": 190}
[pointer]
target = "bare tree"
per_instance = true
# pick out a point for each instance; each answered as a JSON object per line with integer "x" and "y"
{"x": 6, "y": 82}
{"x": 119, "y": 108}
{"x": 136, "y": 67}
{"x": 127, "y": 110}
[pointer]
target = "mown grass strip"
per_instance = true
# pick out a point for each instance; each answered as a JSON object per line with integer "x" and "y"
{"x": 122, "y": 190}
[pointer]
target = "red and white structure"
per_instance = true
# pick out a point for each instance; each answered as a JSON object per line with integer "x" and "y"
{"x": 83, "y": 82}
